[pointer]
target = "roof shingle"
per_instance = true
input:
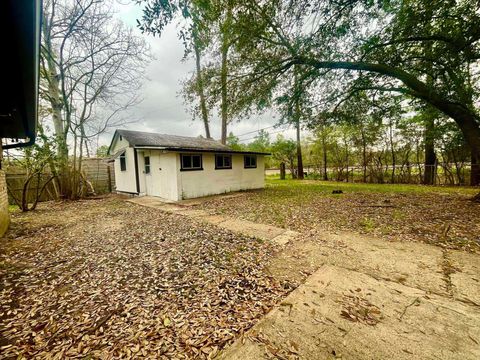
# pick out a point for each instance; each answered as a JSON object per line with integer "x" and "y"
{"x": 174, "y": 142}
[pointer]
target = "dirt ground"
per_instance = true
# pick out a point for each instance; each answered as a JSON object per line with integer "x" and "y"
{"x": 110, "y": 279}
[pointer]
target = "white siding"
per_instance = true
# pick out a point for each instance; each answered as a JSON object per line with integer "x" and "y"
{"x": 210, "y": 181}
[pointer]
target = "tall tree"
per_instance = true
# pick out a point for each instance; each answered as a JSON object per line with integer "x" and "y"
{"x": 91, "y": 69}
{"x": 336, "y": 38}
{"x": 157, "y": 14}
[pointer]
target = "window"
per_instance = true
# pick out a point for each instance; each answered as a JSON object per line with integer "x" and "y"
{"x": 250, "y": 161}
{"x": 191, "y": 162}
{"x": 223, "y": 161}
{"x": 147, "y": 164}
{"x": 123, "y": 162}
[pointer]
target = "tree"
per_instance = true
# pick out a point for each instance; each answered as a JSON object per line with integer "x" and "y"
{"x": 234, "y": 142}
{"x": 91, "y": 69}
{"x": 102, "y": 151}
{"x": 157, "y": 14}
{"x": 413, "y": 41}
{"x": 261, "y": 143}
{"x": 34, "y": 161}
{"x": 284, "y": 151}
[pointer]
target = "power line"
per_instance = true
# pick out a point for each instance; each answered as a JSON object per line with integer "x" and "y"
{"x": 270, "y": 133}
{"x": 254, "y": 131}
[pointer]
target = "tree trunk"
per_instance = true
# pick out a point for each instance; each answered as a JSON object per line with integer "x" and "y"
{"x": 430, "y": 157}
{"x": 347, "y": 156}
{"x": 299, "y": 151}
{"x": 201, "y": 93}
{"x": 475, "y": 169}
{"x": 282, "y": 171}
{"x": 297, "y": 115}
{"x": 364, "y": 156}
{"x": 224, "y": 72}
{"x": 52, "y": 76}
{"x": 325, "y": 166}
{"x": 392, "y": 151}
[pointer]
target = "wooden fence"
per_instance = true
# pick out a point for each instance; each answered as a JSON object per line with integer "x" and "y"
{"x": 97, "y": 171}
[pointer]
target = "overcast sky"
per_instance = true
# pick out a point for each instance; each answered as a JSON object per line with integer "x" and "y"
{"x": 162, "y": 109}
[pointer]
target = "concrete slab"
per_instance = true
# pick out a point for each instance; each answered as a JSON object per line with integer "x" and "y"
{"x": 261, "y": 231}
{"x": 339, "y": 313}
{"x": 465, "y": 276}
{"x": 412, "y": 264}
{"x": 287, "y": 236}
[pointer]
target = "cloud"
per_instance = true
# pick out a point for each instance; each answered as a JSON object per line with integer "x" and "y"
{"x": 162, "y": 109}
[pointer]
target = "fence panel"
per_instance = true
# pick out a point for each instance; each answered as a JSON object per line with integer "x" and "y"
{"x": 97, "y": 171}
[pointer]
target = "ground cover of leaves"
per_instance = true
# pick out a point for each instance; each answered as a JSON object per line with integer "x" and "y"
{"x": 433, "y": 215}
{"x": 109, "y": 279}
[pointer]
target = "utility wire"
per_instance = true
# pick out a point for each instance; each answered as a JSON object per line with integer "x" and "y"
{"x": 270, "y": 133}
{"x": 254, "y": 131}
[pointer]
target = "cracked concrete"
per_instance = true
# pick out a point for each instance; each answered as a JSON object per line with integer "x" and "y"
{"x": 413, "y": 324}
{"x": 427, "y": 297}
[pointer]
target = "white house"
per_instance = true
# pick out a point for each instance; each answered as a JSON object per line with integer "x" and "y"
{"x": 178, "y": 167}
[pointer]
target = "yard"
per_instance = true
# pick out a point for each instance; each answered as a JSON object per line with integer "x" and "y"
{"x": 106, "y": 278}
{"x": 440, "y": 216}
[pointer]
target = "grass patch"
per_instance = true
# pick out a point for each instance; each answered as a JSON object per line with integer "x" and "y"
{"x": 326, "y": 187}
{"x": 367, "y": 224}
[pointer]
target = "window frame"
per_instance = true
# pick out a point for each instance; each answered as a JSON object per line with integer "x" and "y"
{"x": 182, "y": 168}
{"x": 223, "y": 156}
{"x": 123, "y": 161}
{"x": 245, "y": 166}
{"x": 146, "y": 167}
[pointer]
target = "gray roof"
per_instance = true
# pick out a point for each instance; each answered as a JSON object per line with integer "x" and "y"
{"x": 174, "y": 142}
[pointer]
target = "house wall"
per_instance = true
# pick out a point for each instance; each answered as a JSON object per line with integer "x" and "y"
{"x": 125, "y": 181}
{"x": 4, "y": 215}
{"x": 210, "y": 181}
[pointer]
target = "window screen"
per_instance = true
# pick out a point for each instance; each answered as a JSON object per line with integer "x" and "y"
{"x": 223, "y": 161}
{"x": 147, "y": 164}
{"x": 250, "y": 161}
{"x": 191, "y": 161}
{"x": 123, "y": 162}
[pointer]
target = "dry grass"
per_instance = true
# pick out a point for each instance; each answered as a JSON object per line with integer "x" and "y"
{"x": 436, "y": 215}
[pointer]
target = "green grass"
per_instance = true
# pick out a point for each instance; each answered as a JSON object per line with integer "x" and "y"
{"x": 368, "y": 224}
{"x": 318, "y": 186}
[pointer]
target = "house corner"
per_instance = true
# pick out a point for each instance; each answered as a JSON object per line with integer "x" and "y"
{"x": 4, "y": 215}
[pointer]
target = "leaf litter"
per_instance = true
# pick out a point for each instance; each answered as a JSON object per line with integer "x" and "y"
{"x": 109, "y": 279}
{"x": 448, "y": 220}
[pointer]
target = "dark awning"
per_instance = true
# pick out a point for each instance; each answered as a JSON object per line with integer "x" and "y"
{"x": 20, "y": 40}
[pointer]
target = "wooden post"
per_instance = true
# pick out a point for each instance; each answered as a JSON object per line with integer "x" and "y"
{"x": 282, "y": 171}
{"x": 109, "y": 179}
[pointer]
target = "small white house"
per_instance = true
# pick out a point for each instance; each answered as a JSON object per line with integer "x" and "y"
{"x": 178, "y": 167}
